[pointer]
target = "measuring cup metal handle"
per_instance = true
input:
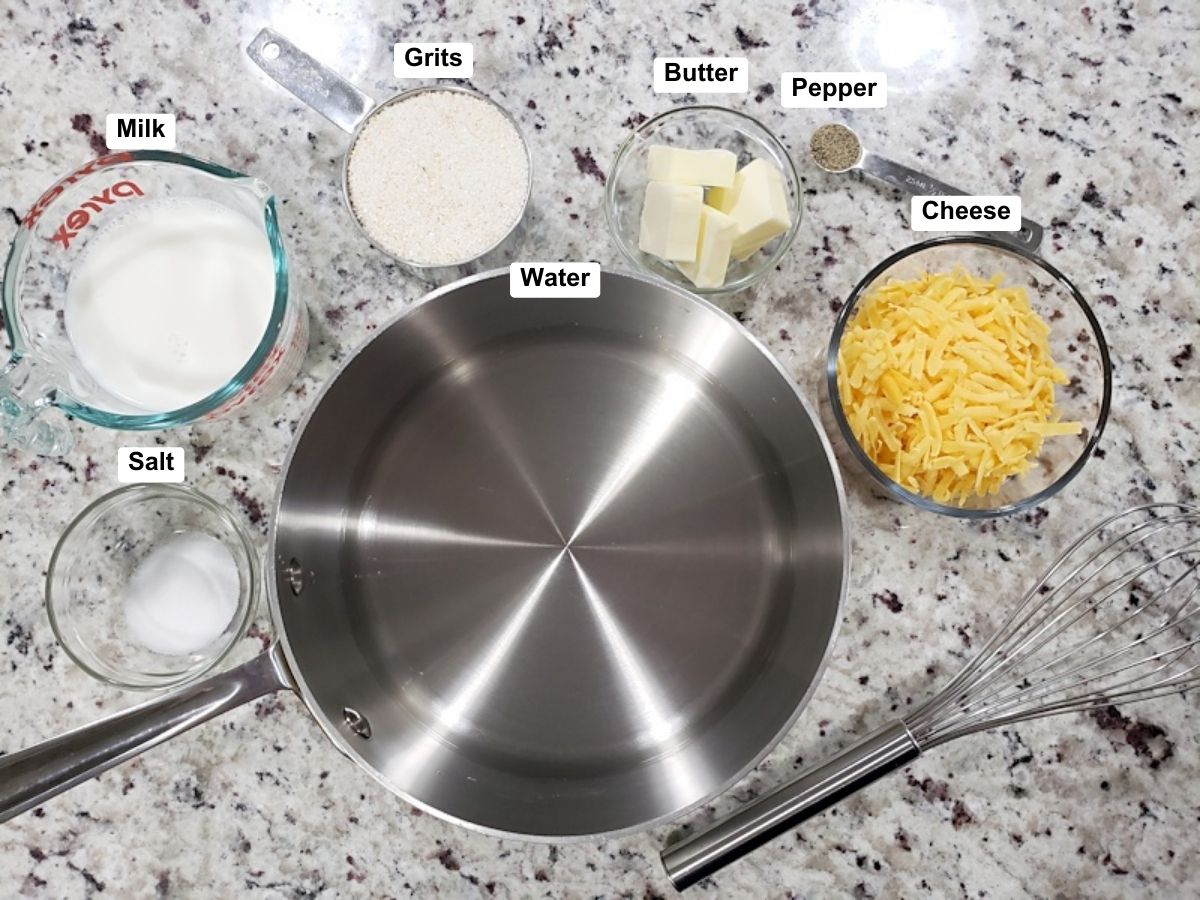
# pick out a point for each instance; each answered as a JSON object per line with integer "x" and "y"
{"x": 26, "y": 388}
{"x": 913, "y": 182}
{"x": 318, "y": 87}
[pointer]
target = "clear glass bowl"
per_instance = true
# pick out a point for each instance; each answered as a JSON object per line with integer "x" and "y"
{"x": 1077, "y": 346}
{"x": 696, "y": 128}
{"x": 94, "y": 561}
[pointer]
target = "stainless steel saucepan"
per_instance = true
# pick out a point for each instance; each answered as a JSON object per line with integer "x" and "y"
{"x": 546, "y": 567}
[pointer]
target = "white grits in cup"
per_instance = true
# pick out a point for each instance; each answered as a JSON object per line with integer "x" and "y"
{"x": 438, "y": 178}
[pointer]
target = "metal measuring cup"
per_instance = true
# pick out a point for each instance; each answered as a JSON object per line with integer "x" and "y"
{"x": 1029, "y": 237}
{"x": 343, "y": 104}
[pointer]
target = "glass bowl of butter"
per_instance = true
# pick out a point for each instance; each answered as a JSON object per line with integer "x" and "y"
{"x": 704, "y": 197}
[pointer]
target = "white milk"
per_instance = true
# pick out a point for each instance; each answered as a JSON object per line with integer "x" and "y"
{"x": 169, "y": 302}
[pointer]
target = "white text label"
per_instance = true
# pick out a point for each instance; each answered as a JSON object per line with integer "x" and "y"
{"x": 137, "y": 132}
{"x": 966, "y": 213}
{"x": 554, "y": 279}
{"x": 701, "y": 74}
{"x": 434, "y": 60}
{"x": 833, "y": 90}
{"x": 141, "y": 464}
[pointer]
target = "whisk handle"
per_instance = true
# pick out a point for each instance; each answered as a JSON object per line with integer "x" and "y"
{"x": 703, "y": 854}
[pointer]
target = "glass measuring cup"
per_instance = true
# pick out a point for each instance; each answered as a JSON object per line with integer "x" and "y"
{"x": 343, "y": 104}
{"x": 44, "y": 369}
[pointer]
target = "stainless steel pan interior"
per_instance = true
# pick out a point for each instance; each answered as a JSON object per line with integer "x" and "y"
{"x": 576, "y": 562}
{"x": 548, "y": 568}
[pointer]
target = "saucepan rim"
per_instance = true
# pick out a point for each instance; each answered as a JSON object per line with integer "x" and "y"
{"x": 340, "y": 739}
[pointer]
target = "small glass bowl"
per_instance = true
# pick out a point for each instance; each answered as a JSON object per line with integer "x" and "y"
{"x": 94, "y": 561}
{"x": 696, "y": 128}
{"x": 1077, "y": 346}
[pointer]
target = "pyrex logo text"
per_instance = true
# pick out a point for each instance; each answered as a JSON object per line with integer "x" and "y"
{"x": 35, "y": 212}
{"x": 77, "y": 219}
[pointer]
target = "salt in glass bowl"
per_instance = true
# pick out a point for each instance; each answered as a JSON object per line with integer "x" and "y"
{"x": 98, "y": 554}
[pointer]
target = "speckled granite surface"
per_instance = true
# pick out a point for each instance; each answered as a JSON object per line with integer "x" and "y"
{"x": 1089, "y": 111}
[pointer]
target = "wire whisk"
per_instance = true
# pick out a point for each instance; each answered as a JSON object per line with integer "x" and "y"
{"x": 1115, "y": 619}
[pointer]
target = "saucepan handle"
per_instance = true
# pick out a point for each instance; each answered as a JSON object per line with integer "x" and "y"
{"x": 30, "y": 777}
{"x": 703, "y": 854}
{"x": 318, "y": 87}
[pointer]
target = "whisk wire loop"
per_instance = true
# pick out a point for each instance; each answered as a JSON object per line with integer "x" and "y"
{"x": 1115, "y": 618}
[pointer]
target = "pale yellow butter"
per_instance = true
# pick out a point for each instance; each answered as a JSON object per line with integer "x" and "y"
{"x": 671, "y": 221}
{"x": 717, "y": 231}
{"x": 720, "y": 198}
{"x": 759, "y": 207}
{"x": 708, "y": 168}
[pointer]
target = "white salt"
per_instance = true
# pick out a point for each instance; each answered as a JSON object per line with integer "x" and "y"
{"x": 183, "y": 595}
{"x": 439, "y": 178}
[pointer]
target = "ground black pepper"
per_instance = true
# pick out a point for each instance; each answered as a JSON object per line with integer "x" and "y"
{"x": 835, "y": 148}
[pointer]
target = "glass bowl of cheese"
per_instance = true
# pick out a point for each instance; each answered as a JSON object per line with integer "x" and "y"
{"x": 704, "y": 197}
{"x": 969, "y": 377}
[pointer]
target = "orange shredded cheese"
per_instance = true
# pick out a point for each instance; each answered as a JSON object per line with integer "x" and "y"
{"x": 947, "y": 383}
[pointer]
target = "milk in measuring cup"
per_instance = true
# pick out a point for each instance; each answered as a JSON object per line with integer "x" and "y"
{"x": 170, "y": 301}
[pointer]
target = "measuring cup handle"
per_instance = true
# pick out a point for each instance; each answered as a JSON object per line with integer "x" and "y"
{"x": 320, "y": 88}
{"x": 26, "y": 388}
{"x": 913, "y": 182}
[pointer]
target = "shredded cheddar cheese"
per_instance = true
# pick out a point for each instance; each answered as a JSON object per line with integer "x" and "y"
{"x": 948, "y": 385}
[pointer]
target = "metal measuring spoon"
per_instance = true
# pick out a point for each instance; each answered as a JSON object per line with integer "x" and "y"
{"x": 908, "y": 180}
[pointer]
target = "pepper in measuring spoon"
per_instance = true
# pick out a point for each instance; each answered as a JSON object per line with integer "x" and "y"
{"x": 835, "y": 148}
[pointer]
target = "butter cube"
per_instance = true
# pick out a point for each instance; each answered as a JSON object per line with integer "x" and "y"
{"x": 671, "y": 221}
{"x": 717, "y": 231}
{"x": 759, "y": 207}
{"x": 720, "y": 198}
{"x": 709, "y": 168}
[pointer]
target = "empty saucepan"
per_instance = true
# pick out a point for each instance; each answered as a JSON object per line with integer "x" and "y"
{"x": 546, "y": 568}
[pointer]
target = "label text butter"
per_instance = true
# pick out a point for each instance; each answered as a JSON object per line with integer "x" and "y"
{"x": 701, "y": 75}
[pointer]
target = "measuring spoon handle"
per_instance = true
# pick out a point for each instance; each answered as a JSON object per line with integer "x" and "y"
{"x": 913, "y": 182}
{"x": 322, "y": 89}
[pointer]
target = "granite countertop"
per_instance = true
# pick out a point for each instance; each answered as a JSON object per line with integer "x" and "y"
{"x": 1090, "y": 112}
